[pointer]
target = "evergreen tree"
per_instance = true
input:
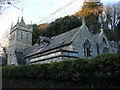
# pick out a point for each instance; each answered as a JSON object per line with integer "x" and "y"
{"x": 62, "y": 25}
{"x": 36, "y": 32}
{"x": 57, "y": 27}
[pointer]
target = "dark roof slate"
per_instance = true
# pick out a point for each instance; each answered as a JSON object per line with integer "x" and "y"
{"x": 32, "y": 49}
{"x": 61, "y": 39}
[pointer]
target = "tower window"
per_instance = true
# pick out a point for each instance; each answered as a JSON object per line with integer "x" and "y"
{"x": 87, "y": 48}
{"x": 97, "y": 48}
{"x": 13, "y": 36}
{"x": 104, "y": 41}
{"x": 21, "y": 35}
{"x": 26, "y": 35}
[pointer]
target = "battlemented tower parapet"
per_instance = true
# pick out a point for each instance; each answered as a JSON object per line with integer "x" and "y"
{"x": 20, "y": 38}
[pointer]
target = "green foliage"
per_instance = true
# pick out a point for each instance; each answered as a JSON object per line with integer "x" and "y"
{"x": 36, "y": 33}
{"x": 62, "y": 25}
{"x": 106, "y": 66}
{"x": 57, "y": 27}
{"x": 110, "y": 35}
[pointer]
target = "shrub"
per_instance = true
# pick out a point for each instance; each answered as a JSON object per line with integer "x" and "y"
{"x": 102, "y": 66}
{"x": 107, "y": 65}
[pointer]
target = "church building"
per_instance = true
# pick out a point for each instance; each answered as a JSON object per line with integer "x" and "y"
{"x": 78, "y": 42}
{"x": 20, "y": 38}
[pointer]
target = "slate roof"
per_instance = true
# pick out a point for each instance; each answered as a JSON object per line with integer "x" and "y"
{"x": 57, "y": 41}
{"x": 32, "y": 49}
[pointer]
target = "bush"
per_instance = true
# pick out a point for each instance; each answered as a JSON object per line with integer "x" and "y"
{"x": 107, "y": 65}
{"x": 103, "y": 66}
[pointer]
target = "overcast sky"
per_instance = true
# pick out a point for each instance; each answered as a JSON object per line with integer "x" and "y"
{"x": 37, "y": 10}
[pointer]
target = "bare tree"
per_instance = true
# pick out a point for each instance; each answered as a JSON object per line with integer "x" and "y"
{"x": 4, "y": 42}
{"x": 112, "y": 12}
{"x": 109, "y": 20}
{"x": 7, "y": 2}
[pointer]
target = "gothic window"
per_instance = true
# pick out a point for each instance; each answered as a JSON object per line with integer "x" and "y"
{"x": 13, "y": 36}
{"x": 105, "y": 50}
{"x": 26, "y": 35}
{"x": 21, "y": 35}
{"x": 87, "y": 48}
{"x": 97, "y": 49}
{"x": 104, "y": 41}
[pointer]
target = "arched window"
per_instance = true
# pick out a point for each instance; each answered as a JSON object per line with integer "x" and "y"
{"x": 13, "y": 36}
{"x": 87, "y": 48}
{"x": 105, "y": 50}
{"x": 21, "y": 35}
{"x": 26, "y": 35}
{"x": 104, "y": 41}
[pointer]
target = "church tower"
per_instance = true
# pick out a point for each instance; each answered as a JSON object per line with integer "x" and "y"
{"x": 20, "y": 38}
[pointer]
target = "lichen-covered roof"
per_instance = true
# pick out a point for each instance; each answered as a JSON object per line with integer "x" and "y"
{"x": 57, "y": 41}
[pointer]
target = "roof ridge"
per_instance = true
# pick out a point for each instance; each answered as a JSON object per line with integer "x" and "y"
{"x": 76, "y": 34}
{"x": 67, "y": 31}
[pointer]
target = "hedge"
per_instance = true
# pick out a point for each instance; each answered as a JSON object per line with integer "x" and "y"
{"x": 105, "y": 66}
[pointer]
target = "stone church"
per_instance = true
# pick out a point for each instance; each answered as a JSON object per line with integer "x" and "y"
{"x": 78, "y": 42}
{"x": 20, "y": 39}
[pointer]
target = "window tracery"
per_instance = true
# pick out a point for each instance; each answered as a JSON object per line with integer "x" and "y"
{"x": 87, "y": 48}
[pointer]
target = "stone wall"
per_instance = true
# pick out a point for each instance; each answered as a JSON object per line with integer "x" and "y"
{"x": 20, "y": 38}
{"x": 78, "y": 42}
